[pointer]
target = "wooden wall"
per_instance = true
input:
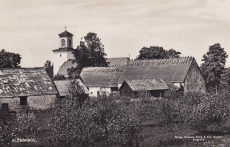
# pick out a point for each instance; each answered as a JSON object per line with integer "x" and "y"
{"x": 126, "y": 91}
{"x": 194, "y": 81}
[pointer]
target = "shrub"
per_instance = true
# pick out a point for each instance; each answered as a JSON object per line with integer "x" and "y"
{"x": 6, "y": 135}
{"x": 209, "y": 114}
{"x": 59, "y": 77}
{"x": 100, "y": 120}
{"x": 27, "y": 125}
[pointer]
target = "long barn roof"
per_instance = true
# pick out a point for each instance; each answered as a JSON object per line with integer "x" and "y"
{"x": 101, "y": 76}
{"x": 117, "y": 61}
{"x": 15, "y": 82}
{"x": 170, "y": 70}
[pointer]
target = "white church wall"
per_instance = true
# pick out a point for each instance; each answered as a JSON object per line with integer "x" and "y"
{"x": 70, "y": 55}
{"x": 59, "y": 58}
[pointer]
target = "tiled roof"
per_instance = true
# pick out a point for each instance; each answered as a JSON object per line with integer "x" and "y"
{"x": 63, "y": 86}
{"x": 16, "y": 82}
{"x": 170, "y": 70}
{"x": 65, "y": 34}
{"x": 63, "y": 69}
{"x": 146, "y": 84}
{"x": 101, "y": 76}
{"x": 117, "y": 61}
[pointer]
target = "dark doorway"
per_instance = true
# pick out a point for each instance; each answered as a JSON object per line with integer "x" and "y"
{"x": 5, "y": 107}
{"x": 23, "y": 100}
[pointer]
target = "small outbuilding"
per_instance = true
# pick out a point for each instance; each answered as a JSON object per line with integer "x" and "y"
{"x": 63, "y": 87}
{"x": 131, "y": 87}
{"x": 26, "y": 87}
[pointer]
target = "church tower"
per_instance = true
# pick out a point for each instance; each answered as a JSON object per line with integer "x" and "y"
{"x": 64, "y": 52}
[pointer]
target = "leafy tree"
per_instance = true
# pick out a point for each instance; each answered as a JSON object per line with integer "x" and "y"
{"x": 77, "y": 91}
{"x": 9, "y": 60}
{"x": 59, "y": 77}
{"x": 171, "y": 53}
{"x": 156, "y": 52}
{"x": 73, "y": 72}
{"x": 89, "y": 53}
{"x": 49, "y": 68}
{"x": 210, "y": 114}
{"x": 214, "y": 66}
{"x": 95, "y": 121}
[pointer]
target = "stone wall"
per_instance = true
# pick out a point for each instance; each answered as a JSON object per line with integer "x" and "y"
{"x": 36, "y": 102}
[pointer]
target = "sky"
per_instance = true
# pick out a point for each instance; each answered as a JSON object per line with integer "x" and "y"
{"x": 31, "y": 27}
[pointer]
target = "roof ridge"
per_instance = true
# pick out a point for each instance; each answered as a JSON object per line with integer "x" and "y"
{"x": 103, "y": 69}
{"x": 171, "y": 61}
{"x": 22, "y": 68}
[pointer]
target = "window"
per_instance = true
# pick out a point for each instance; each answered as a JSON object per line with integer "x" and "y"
{"x": 70, "y": 43}
{"x": 5, "y": 107}
{"x": 135, "y": 94}
{"x": 23, "y": 100}
{"x": 60, "y": 55}
{"x": 98, "y": 93}
{"x": 62, "y": 42}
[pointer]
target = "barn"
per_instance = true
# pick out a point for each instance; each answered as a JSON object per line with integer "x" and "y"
{"x": 181, "y": 73}
{"x": 133, "y": 87}
{"x": 30, "y": 87}
{"x": 178, "y": 73}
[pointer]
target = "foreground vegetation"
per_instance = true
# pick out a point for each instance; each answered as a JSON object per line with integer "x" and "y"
{"x": 115, "y": 121}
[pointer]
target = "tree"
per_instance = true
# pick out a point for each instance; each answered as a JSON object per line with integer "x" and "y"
{"x": 77, "y": 91}
{"x": 171, "y": 53}
{"x": 27, "y": 126}
{"x": 214, "y": 66}
{"x": 156, "y": 52}
{"x": 49, "y": 68}
{"x": 59, "y": 77}
{"x": 89, "y": 53}
{"x": 210, "y": 114}
{"x": 77, "y": 123}
{"x": 9, "y": 60}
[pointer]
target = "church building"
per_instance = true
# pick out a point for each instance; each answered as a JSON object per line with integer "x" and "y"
{"x": 64, "y": 52}
{"x": 63, "y": 57}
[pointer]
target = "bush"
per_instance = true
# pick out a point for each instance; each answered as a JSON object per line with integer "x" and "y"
{"x": 27, "y": 127}
{"x": 59, "y": 77}
{"x": 76, "y": 123}
{"x": 210, "y": 113}
{"x": 6, "y": 135}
